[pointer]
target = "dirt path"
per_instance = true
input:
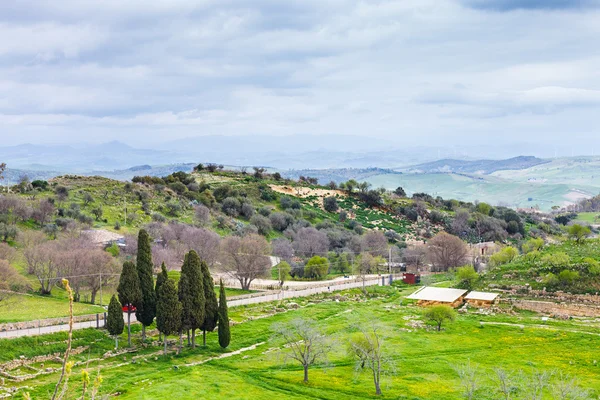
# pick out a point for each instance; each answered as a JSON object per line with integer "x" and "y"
{"x": 225, "y": 355}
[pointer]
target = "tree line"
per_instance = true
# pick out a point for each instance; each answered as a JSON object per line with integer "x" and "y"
{"x": 178, "y": 308}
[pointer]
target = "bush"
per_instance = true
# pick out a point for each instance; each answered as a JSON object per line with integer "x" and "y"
{"x": 247, "y": 210}
{"x": 330, "y": 204}
{"x": 280, "y": 221}
{"x": 504, "y": 256}
{"x": 262, "y": 223}
{"x": 156, "y": 217}
{"x": 231, "y": 206}
{"x": 467, "y": 276}
{"x": 316, "y": 268}
{"x": 567, "y": 277}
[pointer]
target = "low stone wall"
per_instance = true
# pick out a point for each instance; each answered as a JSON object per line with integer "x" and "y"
{"x": 561, "y": 309}
{"x": 14, "y": 326}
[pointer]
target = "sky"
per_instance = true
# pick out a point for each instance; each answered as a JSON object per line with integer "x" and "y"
{"x": 416, "y": 72}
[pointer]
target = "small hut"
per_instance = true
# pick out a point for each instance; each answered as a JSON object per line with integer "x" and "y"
{"x": 481, "y": 299}
{"x": 429, "y": 296}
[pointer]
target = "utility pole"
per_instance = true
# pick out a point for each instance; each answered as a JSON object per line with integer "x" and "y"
{"x": 125, "y": 205}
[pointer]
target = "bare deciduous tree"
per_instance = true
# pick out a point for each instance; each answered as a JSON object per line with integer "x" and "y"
{"x": 309, "y": 242}
{"x": 566, "y": 387}
{"x": 366, "y": 348}
{"x": 375, "y": 243}
{"x": 303, "y": 343}
{"x": 414, "y": 256}
{"x": 507, "y": 384}
{"x": 447, "y": 251}
{"x": 43, "y": 212}
{"x": 101, "y": 269}
{"x": 469, "y": 379}
{"x": 7, "y": 252}
{"x": 245, "y": 258}
{"x": 43, "y": 262}
{"x": 535, "y": 384}
{"x": 283, "y": 249}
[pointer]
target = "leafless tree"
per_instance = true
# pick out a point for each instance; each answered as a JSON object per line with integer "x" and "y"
{"x": 168, "y": 255}
{"x": 507, "y": 384}
{"x": 303, "y": 343}
{"x": 23, "y": 211}
{"x": 245, "y": 258}
{"x": 283, "y": 249}
{"x": 566, "y": 387}
{"x": 29, "y": 239}
{"x": 309, "y": 242}
{"x": 43, "y": 262}
{"x": 535, "y": 384}
{"x": 204, "y": 242}
{"x": 415, "y": 256}
{"x": 101, "y": 271}
{"x": 366, "y": 348}
{"x": 447, "y": 251}
{"x": 7, "y": 252}
{"x": 43, "y": 212}
{"x": 129, "y": 251}
{"x": 71, "y": 257}
{"x": 375, "y": 243}
{"x": 11, "y": 280}
{"x": 469, "y": 379}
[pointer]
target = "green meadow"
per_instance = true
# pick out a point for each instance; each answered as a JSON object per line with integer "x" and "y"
{"x": 421, "y": 362}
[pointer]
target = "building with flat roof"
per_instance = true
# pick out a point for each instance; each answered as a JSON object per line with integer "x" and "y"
{"x": 429, "y": 295}
{"x": 481, "y": 299}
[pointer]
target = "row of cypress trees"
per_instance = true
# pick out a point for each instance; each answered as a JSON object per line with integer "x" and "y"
{"x": 190, "y": 306}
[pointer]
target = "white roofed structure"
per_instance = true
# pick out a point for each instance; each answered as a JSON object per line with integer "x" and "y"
{"x": 484, "y": 296}
{"x": 435, "y": 295}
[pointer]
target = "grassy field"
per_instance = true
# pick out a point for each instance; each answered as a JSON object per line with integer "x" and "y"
{"x": 491, "y": 189}
{"x": 588, "y": 217}
{"x": 22, "y": 307}
{"x": 422, "y": 361}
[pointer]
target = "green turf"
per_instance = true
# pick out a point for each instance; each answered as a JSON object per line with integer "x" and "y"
{"x": 17, "y": 308}
{"x": 423, "y": 360}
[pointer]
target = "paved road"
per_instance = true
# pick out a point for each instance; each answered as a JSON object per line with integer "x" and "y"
{"x": 267, "y": 297}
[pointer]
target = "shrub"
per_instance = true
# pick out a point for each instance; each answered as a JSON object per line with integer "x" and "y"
{"x": 262, "y": 223}
{"x": 316, "y": 268}
{"x": 467, "y": 276}
{"x": 504, "y": 256}
{"x": 330, "y": 204}
{"x": 247, "y": 210}
{"x": 567, "y": 277}
{"x": 231, "y": 206}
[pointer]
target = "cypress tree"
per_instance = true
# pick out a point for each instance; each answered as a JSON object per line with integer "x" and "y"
{"x": 114, "y": 320}
{"x": 168, "y": 311}
{"x": 224, "y": 332}
{"x": 160, "y": 279}
{"x": 211, "y": 308}
{"x": 129, "y": 292}
{"x": 147, "y": 310}
{"x": 191, "y": 294}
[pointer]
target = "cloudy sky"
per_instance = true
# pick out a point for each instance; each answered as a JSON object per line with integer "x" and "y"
{"x": 414, "y": 71}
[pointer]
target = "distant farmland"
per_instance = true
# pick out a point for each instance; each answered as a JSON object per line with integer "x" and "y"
{"x": 487, "y": 188}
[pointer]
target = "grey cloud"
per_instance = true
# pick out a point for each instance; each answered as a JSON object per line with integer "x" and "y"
{"x": 414, "y": 70}
{"x": 510, "y": 5}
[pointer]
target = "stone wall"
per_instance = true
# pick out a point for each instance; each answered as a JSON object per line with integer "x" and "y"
{"x": 13, "y": 326}
{"x": 558, "y": 309}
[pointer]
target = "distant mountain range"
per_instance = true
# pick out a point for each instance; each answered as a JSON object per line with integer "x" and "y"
{"x": 483, "y": 167}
